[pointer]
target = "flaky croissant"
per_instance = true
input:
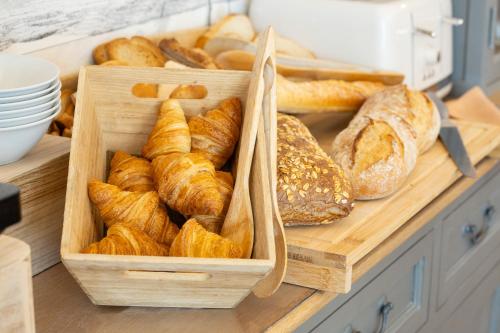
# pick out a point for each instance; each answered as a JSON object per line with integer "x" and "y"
{"x": 194, "y": 241}
{"x": 170, "y": 133}
{"x": 216, "y": 133}
{"x": 142, "y": 211}
{"x": 213, "y": 223}
{"x": 131, "y": 173}
{"x": 124, "y": 240}
{"x": 187, "y": 183}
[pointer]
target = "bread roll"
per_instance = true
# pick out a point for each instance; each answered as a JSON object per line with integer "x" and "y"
{"x": 311, "y": 188}
{"x": 379, "y": 148}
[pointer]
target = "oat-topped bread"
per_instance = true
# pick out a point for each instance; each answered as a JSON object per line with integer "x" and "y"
{"x": 379, "y": 148}
{"x": 311, "y": 189}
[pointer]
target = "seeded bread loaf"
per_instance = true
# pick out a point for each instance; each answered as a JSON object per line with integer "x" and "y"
{"x": 379, "y": 148}
{"x": 311, "y": 189}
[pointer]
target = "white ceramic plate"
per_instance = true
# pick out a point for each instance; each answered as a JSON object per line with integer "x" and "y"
{"x": 29, "y": 111}
{"x": 23, "y": 74}
{"x": 31, "y": 102}
{"x": 28, "y": 119}
{"x": 56, "y": 85}
{"x": 15, "y": 142}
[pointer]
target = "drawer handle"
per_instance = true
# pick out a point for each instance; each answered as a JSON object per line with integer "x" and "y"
{"x": 385, "y": 309}
{"x": 476, "y": 236}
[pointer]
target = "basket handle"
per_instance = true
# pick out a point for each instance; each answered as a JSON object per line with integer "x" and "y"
{"x": 167, "y": 276}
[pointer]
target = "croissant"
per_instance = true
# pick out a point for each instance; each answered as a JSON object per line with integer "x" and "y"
{"x": 187, "y": 183}
{"x": 170, "y": 133}
{"x": 213, "y": 223}
{"x": 194, "y": 241}
{"x": 142, "y": 211}
{"x": 216, "y": 133}
{"x": 131, "y": 173}
{"x": 124, "y": 240}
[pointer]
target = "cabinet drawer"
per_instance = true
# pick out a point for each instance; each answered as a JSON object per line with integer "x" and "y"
{"x": 468, "y": 235}
{"x": 402, "y": 290}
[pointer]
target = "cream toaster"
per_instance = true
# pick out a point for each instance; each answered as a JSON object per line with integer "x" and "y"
{"x": 413, "y": 37}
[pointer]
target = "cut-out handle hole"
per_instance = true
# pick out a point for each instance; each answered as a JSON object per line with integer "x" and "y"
{"x": 164, "y": 91}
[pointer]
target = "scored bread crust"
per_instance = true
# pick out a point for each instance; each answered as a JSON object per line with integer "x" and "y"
{"x": 379, "y": 148}
{"x": 311, "y": 188}
{"x": 323, "y": 95}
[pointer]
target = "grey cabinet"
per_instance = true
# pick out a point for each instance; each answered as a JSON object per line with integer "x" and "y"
{"x": 469, "y": 234}
{"x": 480, "y": 312}
{"x": 395, "y": 301}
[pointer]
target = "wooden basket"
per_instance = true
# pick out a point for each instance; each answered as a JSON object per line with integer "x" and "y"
{"x": 109, "y": 118}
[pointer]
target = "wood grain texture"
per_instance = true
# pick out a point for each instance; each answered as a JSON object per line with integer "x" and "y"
{"x": 16, "y": 292}
{"x": 34, "y": 20}
{"x": 108, "y": 118}
{"x": 371, "y": 222}
{"x": 41, "y": 177}
{"x": 55, "y": 291}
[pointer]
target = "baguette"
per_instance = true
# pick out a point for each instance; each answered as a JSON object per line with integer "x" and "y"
{"x": 324, "y": 95}
{"x": 379, "y": 148}
{"x": 311, "y": 188}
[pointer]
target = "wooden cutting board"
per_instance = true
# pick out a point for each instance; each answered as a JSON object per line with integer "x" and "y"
{"x": 322, "y": 257}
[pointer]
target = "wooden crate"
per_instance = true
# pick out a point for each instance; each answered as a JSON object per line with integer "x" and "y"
{"x": 108, "y": 118}
{"x": 322, "y": 257}
{"x": 41, "y": 177}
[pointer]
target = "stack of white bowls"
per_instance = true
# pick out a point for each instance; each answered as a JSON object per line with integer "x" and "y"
{"x": 29, "y": 100}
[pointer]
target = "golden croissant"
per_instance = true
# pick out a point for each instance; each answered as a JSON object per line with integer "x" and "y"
{"x": 131, "y": 173}
{"x": 187, "y": 183}
{"x": 125, "y": 240}
{"x": 170, "y": 133}
{"x": 141, "y": 210}
{"x": 194, "y": 241}
{"x": 214, "y": 223}
{"x": 216, "y": 133}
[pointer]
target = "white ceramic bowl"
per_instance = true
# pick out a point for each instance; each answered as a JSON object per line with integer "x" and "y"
{"x": 28, "y": 119}
{"x": 23, "y": 74}
{"x": 29, "y": 111}
{"x": 56, "y": 85}
{"x": 32, "y": 102}
{"x": 17, "y": 141}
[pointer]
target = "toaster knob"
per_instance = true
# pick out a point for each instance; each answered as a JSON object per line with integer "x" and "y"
{"x": 432, "y": 56}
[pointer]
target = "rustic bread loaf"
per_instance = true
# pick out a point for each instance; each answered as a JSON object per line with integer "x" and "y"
{"x": 323, "y": 95}
{"x": 379, "y": 148}
{"x": 311, "y": 188}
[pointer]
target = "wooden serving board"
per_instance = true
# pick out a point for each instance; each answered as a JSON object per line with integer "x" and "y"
{"x": 322, "y": 257}
{"x": 41, "y": 176}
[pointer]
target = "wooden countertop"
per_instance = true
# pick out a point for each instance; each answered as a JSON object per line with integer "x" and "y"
{"x": 61, "y": 305}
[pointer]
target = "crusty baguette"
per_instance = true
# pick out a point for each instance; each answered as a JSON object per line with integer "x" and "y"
{"x": 324, "y": 95}
{"x": 379, "y": 148}
{"x": 234, "y": 25}
{"x": 195, "y": 57}
{"x": 311, "y": 188}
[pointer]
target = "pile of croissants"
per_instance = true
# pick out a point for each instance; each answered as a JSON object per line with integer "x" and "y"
{"x": 179, "y": 171}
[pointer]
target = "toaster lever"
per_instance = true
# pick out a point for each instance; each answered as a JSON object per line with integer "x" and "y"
{"x": 430, "y": 33}
{"x": 455, "y": 21}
